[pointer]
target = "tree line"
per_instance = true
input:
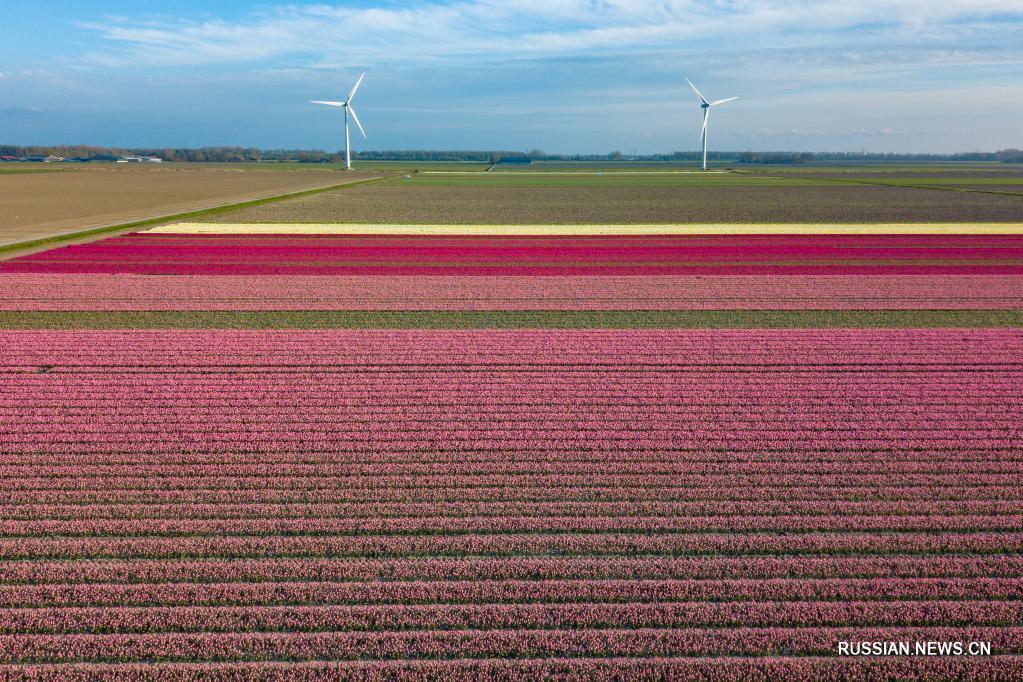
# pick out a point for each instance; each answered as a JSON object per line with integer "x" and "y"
{"x": 252, "y": 154}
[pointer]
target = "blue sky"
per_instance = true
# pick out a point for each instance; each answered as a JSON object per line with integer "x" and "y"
{"x": 561, "y": 75}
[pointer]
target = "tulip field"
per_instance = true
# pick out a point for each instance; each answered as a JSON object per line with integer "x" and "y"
{"x": 123, "y": 292}
{"x": 466, "y": 504}
{"x": 526, "y": 255}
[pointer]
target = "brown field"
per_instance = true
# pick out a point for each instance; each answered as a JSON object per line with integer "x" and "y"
{"x": 393, "y": 203}
{"x": 43, "y": 204}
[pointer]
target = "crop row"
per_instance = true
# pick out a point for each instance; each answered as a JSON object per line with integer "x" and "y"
{"x": 523, "y": 491}
{"x": 711, "y": 570}
{"x": 172, "y": 443}
{"x": 99, "y": 528}
{"x": 909, "y": 264}
{"x": 389, "y": 484}
{"x": 477, "y": 644}
{"x": 577, "y": 457}
{"x": 511, "y": 545}
{"x": 533, "y": 467}
{"x": 1000, "y": 668}
{"x": 255, "y": 292}
{"x": 560, "y": 347}
{"x": 932, "y": 393}
{"x": 492, "y": 591}
{"x": 181, "y": 412}
{"x": 497, "y": 509}
{"x": 540, "y": 427}
{"x": 62, "y": 620}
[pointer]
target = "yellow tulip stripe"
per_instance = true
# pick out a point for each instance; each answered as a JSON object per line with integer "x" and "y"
{"x": 585, "y": 230}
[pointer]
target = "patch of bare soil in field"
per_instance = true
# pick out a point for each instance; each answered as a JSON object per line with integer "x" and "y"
{"x": 36, "y": 205}
{"x": 621, "y": 205}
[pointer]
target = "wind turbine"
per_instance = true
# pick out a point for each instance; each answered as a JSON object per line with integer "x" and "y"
{"x": 705, "y": 105}
{"x": 347, "y": 106}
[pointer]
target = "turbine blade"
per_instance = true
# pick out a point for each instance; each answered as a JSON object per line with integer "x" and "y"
{"x": 697, "y": 91}
{"x": 355, "y": 87}
{"x": 329, "y": 104}
{"x": 703, "y": 130}
{"x": 722, "y": 101}
{"x": 352, "y": 112}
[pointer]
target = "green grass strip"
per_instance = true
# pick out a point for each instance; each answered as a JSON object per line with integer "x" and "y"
{"x": 21, "y": 170}
{"x": 519, "y": 319}
{"x": 187, "y": 215}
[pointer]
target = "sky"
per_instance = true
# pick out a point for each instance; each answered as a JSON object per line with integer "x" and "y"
{"x": 564, "y": 76}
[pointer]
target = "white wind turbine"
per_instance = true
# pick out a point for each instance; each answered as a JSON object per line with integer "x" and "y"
{"x": 705, "y": 105}
{"x": 347, "y": 106}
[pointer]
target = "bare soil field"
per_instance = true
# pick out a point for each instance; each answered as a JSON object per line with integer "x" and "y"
{"x": 411, "y": 203}
{"x": 39, "y": 205}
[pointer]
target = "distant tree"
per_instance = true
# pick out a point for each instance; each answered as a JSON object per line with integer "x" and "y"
{"x": 615, "y": 156}
{"x": 495, "y": 157}
{"x": 536, "y": 154}
{"x": 1009, "y": 155}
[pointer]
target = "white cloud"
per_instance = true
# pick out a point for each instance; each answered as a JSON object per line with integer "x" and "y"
{"x": 328, "y": 36}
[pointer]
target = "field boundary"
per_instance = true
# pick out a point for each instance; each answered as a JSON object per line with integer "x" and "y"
{"x": 513, "y": 319}
{"x": 184, "y": 215}
{"x": 637, "y": 229}
{"x": 883, "y": 183}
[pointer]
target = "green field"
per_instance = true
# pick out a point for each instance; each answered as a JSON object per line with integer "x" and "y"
{"x": 595, "y": 179}
{"x": 20, "y": 168}
{"x": 515, "y": 319}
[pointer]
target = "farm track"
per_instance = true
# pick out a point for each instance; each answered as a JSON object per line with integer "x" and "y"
{"x": 512, "y": 319}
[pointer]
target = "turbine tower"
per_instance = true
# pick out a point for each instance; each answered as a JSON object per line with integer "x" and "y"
{"x": 705, "y": 105}
{"x": 347, "y": 106}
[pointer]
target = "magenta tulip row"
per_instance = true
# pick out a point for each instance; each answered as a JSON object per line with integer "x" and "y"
{"x": 909, "y": 265}
{"x": 376, "y": 618}
{"x": 479, "y": 644}
{"x": 491, "y": 591}
{"x": 704, "y": 573}
{"x": 670, "y": 255}
{"x": 340, "y": 292}
{"x": 510, "y": 545}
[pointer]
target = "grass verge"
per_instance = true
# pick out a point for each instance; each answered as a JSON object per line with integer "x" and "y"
{"x": 518, "y": 319}
{"x": 198, "y": 213}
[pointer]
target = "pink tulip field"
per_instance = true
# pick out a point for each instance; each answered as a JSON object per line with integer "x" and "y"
{"x": 537, "y": 503}
{"x": 105, "y": 291}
